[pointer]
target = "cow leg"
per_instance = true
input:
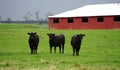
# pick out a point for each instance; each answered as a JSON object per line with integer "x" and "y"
{"x": 73, "y": 51}
{"x": 77, "y": 50}
{"x": 35, "y": 51}
{"x": 31, "y": 51}
{"x": 77, "y": 53}
{"x": 50, "y": 49}
{"x": 62, "y": 48}
{"x": 36, "y": 47}
{"x": 31, "y": 48}
{"x": 59, "y": 49}
{"x": 55, "y": 49}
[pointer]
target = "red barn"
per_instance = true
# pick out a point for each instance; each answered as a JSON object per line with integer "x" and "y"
{"x": 100, "y": 16}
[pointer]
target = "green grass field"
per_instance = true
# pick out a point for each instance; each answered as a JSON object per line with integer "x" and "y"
{"x": 100, "y": 49}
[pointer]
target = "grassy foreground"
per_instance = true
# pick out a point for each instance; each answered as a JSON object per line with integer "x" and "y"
{"x": 100, "y": 49}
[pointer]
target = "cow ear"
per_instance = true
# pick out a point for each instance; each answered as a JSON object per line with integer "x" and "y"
{"x": 35, "y": 33}
{"x": 28, "y": 33}
{"x": 83, "y": 34}
{"x": 53, "y": 34}
{"x": 48, "y": 34}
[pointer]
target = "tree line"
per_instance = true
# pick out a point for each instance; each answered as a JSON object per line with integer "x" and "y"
{"x": 27, "y": 19}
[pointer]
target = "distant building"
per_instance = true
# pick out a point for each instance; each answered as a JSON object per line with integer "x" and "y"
{"x": 100, "y": 16}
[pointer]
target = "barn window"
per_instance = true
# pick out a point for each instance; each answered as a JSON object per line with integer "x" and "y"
{"x": 84, "y": 19}
{"x": 100, "y": 19}
{"x": 56, "y": 20}
{"x": 116, "y": 18}
{"x": 70, "y": 20}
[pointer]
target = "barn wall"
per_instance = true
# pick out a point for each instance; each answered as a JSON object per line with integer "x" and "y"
{"x": 92, "y": 23}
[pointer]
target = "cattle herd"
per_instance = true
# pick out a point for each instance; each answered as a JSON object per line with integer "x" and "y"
{"x": 56, "y": 41}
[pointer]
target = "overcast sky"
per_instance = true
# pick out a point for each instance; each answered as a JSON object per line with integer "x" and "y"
{"x": 17, "y": 9}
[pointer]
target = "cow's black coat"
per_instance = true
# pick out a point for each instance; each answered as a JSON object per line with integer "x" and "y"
{"x": 56, "y": 40}
{"x": 33, "y": 42}
{"x": 76, "y": 43}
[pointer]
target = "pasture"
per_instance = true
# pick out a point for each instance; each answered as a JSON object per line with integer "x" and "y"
{"x": 100, "y": 49}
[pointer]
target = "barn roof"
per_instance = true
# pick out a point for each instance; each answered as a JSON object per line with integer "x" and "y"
{"x": 92, "y": 10}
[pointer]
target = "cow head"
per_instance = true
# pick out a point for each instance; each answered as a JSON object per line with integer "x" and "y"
{"x": 51, "y": 36}
{"x": 32, "y": 35}
{"x": 80, "y": 36}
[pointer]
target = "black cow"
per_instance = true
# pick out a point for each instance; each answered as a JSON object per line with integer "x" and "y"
{"x": 76, "y": 43}
{"x": 56, "y": 40}
{"x": 33, "y": 42}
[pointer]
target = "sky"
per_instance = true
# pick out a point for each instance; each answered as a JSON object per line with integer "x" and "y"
{"x": 17, "y": 9}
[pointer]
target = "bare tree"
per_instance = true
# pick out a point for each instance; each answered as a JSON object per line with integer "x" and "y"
{"x": 8, "y": 19}
{"x": 27, "y": 16}
{"x": 48, "y": 14}
{"x": 37, "y": 17}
